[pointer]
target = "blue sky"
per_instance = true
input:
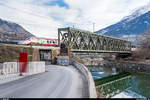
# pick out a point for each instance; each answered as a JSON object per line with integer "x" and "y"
{"x": 60, "y": 3}
{"x": 43, "y": 17}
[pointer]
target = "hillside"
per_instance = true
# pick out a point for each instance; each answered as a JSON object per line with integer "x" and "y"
{"x": 130, "y": 27}
{"x": 12, "y": 31}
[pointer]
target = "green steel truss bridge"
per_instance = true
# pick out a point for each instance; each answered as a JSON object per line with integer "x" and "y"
{"x": 115, "y": 84}
{"x": 84, "y": 41}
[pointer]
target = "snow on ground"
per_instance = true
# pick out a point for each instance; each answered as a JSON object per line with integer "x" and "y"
{"x": 12, "y": 77}
{"x": 122, "y": 95}
{"x": 9, "y": 78}
{"x": 128, "y": 94}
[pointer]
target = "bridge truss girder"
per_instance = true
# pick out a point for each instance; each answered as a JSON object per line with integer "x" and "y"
{"x": 84, "y": 41}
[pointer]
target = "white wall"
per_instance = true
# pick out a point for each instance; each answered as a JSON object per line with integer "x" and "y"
{"x": 10, "y": 68}
{"x": 36, "y": 67}
{"x": 13, "y": 67}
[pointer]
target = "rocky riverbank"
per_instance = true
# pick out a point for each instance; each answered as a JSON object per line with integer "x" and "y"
{"x": 110, "y": 60}
{"x": 128, "y": 66}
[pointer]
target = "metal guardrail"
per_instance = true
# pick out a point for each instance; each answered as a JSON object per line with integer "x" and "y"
{"x": 112, "y": 85}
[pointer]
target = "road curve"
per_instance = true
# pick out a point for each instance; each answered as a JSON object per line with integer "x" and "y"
{"x": 56, "y": 82}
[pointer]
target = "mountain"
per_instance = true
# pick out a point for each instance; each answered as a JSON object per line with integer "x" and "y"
{"x": 130, "y": 27}
{"x": 12, "y": 31}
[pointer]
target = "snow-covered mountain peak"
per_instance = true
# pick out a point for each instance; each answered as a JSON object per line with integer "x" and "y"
{"x": 138, "y": 12}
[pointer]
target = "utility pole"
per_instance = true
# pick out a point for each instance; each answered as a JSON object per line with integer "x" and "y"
{"x": 93, "y": 27}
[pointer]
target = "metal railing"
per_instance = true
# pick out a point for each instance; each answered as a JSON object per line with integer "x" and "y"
{"x": 112, "y": 85}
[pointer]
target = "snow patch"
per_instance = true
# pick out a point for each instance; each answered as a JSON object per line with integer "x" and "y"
{"x": 9, "y": 78}
{"x": 128, "y": 94}
{"x": 137, "y": 13}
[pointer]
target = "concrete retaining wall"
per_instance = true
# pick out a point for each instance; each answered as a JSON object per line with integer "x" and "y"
{"x": 127, "y": 66}
{"x": 63, "y": 60}
{"x": 13, "y": 68}
{"x": 88, "y": 76}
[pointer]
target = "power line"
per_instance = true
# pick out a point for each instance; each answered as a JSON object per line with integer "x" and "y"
{"x": 30, "y": 13}
{"x": 22, "y": 11}
{"x": 41, "y": 16}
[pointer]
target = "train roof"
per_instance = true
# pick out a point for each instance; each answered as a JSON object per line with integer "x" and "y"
{"x": 40, "y": 38}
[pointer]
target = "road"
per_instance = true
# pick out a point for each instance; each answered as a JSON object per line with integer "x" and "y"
{"x": 56, "y": 82}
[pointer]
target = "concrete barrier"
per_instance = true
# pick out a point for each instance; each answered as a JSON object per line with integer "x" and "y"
{"x": 88, "y": 76}
{"x": 36, "y": 67}
{"x": 10, "y": 68}
{"x": 13, "y": 68}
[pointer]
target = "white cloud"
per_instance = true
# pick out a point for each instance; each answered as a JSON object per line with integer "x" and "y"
{"x": 43, "y": 20}
{"x": 104, "y": 12}
{"x": 32, "y": 17}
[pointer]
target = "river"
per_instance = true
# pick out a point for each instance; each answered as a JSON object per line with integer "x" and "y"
{"x": 140, "y": 81}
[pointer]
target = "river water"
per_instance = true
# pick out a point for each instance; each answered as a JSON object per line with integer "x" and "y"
{"x": 140, "y": 81}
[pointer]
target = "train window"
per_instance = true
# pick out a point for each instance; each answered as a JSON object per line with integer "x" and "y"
{"x": 48, "y": 42}
{"x": 53, "y": 42}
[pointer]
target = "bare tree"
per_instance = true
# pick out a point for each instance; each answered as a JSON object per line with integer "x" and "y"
{"x": 144, "y": 46}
